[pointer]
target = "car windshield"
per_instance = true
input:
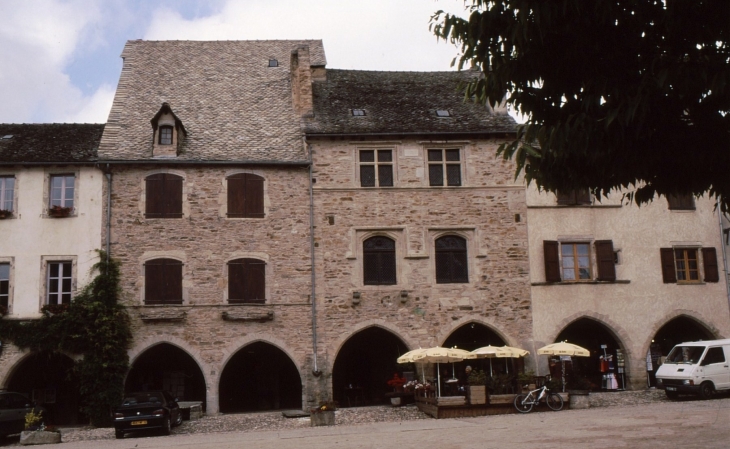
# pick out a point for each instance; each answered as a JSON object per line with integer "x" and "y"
{"x": 685, "y": 354}
{"x": 143, "y": 398}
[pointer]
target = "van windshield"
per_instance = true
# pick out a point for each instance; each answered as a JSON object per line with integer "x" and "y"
{"x": 685, "y": 354}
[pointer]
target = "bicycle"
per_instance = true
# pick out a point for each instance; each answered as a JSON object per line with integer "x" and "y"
{"x": 525, "y": 402}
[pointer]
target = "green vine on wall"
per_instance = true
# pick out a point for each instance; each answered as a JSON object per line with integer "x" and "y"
{"x": 94, "y": 325}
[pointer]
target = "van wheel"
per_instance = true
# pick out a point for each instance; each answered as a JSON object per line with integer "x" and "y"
{"x": 706, "y": 390}
{"x": 672, "y": 394}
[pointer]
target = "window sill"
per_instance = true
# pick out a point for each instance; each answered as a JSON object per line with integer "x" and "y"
{"x": 577, "y": 206}
{"x": 620, "y": 281}
{"x": 690, "y": 283}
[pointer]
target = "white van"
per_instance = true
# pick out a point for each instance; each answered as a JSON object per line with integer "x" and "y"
{"x": 698, "y": 367}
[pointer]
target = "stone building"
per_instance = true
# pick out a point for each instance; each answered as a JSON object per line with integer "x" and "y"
{"x": 50, "y": 205}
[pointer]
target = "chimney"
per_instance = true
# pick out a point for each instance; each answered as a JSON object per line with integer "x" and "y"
{"x": 301, "y": 82}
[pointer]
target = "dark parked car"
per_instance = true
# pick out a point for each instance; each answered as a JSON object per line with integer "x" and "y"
{"x": 147, "y": 410}
{"x": 13, "y": 408}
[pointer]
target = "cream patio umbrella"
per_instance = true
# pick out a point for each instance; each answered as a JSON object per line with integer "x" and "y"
{"x": 490, "y": 352}
{"x": 408, "y": 357}
{"x": 564, "y": 348}
{"x": 440, "y": 355}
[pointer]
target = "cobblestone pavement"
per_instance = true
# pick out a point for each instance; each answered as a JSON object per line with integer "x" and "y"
{"x": 272, "y": 421}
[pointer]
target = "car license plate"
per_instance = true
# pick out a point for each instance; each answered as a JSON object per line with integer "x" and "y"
{"x": 138, "y": 423}
{"x": 671, "y": 389}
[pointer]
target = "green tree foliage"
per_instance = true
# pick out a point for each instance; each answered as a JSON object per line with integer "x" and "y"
{"x": 618, "y": 94}
{"x": 95, "y": 326}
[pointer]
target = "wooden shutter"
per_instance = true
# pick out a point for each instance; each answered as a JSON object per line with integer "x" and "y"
{"x": 236, "y": 281}
{"x": 163, "y": 281}
{"x": 669, "y": 273}
{"x": 605, "y": 261}
{"x": 255, "y": 281}
{"x": 173, "y": 282}
{"x": 173, "y": 196}
{"x": 254, "y": 196}
{"x": 709, "y": 259}
{"x": 153, "y": 196}
{"x": 552, "y": 260}
{"x": 236, "y": 195}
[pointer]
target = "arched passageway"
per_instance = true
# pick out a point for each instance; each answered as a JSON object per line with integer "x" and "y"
{"x": 47, "y": 378}
{"x": 167, "y": 367}
{"x": 471, "y": 336}
{"x": 603, "y": 346}
{"x": 364, "y": 365}
{"x": 679, "y": 330}
{"x": 260, "y": 377}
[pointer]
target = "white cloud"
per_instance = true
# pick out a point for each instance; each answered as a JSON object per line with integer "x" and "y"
{"x": 37, "y": 40}
{"x": 365, "y": 35}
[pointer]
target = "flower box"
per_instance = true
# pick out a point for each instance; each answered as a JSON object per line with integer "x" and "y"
{"x": 322, "y": 418}
{"x": 477, "y": 394}
{"x": 59, "y": 212}
{"x": 5, "y": 214}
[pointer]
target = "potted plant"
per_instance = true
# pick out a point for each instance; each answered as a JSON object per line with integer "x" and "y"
{"x": 397, "y": 382}
{"x": 5, "y": 214}
{"x": 59, "y": 211}
{"x": 579, "y": 389}
{"x": 526, "y": 379}
{"x": 324, "y": 415}
{"x": 36, "y": 431}
{"x": 477, "y": 388}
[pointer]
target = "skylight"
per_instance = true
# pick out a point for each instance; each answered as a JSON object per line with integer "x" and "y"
{"x": 442, "y": 113}
{"x": 358, "y": 112}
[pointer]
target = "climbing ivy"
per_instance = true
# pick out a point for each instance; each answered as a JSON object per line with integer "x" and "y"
{"x": 95, "y": 326}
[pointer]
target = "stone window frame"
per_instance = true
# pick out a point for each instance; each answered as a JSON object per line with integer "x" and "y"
{"x": 14, "y": 204}
{"x": 269, "y": 273}
{"x": 48, "y": 173}
{"x": 471, "y": 235}
{"x": 10, "y": 260}
{"x": 462, "y": 164}
{"x": 44, "y": 276}
{"x": 375, "y": 147}
{"x": 143, "y": 192}
{"x": 223, "y": 197}
{"x": 187, "y": 275}
{"x": 358, "y": 235}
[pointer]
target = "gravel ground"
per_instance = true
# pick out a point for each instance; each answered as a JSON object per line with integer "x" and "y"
{"x": 348, "y": 416}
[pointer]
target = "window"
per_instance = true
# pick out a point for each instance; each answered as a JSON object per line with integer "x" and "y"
{"x": 576, "y": 197}
{"x": 714, "y": 355}
{"x": 451, "y": 260}
{"x": 165, "y": 135}
{"x": 681, "y": 202}
{"x": 7, "y": 188}
{"x": 62, "y": 191}
{"x": 573, "y": 261}
{"x": 163, "y": 281}
{"x": 163, "y": 196}
{"x": 273, "y": 63}
{"x": 245, "y": 196}
{"x": 358, "y": 112}
{"x": 60, "y": 282}
{"x": 682, "y": 265}
{"x": 376, "y": 172}
{"x": 444, "y": 161}
{"x": 246, "y": 281}
{"x": 378, "y": 261}
{"x": 5, "y": 285}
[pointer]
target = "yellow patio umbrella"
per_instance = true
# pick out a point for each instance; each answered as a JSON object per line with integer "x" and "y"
{"x": 490, "y": 352}
{"x": 440, "y": 355}
{"x": 564, "y": 348}
{"x": 408, "y": 357}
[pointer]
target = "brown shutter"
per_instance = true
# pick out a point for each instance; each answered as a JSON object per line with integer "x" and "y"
{"x": 552, "y": 260}
{"x": 709, "y": 259}
{"x": 173, "y": 196}
{"x": 254, "y": 196}
{"x": 236, "y": 195}
{"x": 256, "y": 280}
{"x": 153, "y": 196}
{"x": 605, "y": 261}
{"x": 173, "y": 281}
{"x": 236, "y": 281}
{"x": 163, "y": 281}
{"x": 152, "y": 282}
{"x": 669, "y": 273}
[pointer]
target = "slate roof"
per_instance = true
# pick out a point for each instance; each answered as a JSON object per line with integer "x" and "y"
{"x": 399, "y": 103}
{"x": 56, "y": 142}
{"x": 233, "y": 106}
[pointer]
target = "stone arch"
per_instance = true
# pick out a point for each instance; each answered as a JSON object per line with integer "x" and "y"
{"x": 11, "y": 366}
{"x": 239, "y": 343}
{"x": 487, "y": 322}
{"x": 259, "y": 375}
{"x": 681, "y": 313}
{"x": 337, "y": 345}
{"x": 619, "y": 333}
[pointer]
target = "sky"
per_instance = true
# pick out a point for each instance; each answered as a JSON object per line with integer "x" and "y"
{"x": 59, "y": 59}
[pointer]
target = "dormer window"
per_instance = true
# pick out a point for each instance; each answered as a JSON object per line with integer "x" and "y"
{"x": 166, "y": 135}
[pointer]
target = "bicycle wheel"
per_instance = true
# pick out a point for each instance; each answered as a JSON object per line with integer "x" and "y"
{"x": 524, "y": 403}
{"x": 554, "y": 401}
